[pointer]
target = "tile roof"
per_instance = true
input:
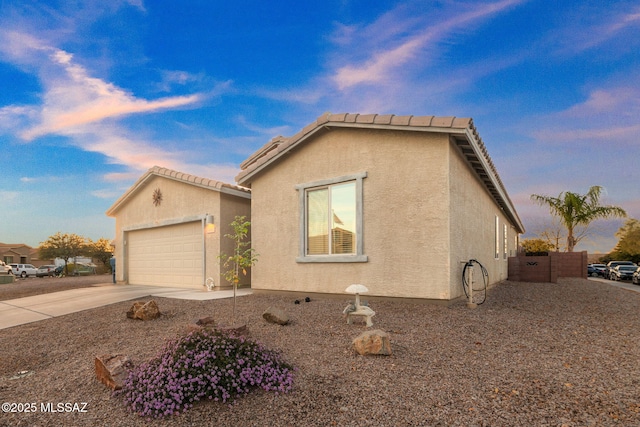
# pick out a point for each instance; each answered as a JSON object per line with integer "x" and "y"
{"x": 462, "y": 130}
{"x": 210, "y": 184}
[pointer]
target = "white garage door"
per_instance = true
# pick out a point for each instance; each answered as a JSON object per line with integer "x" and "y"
{"x": 166, "y": 256}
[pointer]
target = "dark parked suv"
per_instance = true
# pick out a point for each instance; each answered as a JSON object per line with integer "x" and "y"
{"x": 609, "y": 274}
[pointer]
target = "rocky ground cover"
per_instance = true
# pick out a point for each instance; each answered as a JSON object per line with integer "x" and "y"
{"x": 538, "y": 354}
{"x": 43, "y": 285}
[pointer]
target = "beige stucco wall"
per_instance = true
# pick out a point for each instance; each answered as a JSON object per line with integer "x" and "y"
{"x": 424, "y": 212}
{"x": 473, "y": 213}
{"x": 182, "y": 202}
{"x": 405, "y": 204}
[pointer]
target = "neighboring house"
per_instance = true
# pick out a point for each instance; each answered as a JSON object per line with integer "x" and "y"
{"x": 18, "y": 253}
{"x": 170, "y": 228}
{"x": 396, "y": 203}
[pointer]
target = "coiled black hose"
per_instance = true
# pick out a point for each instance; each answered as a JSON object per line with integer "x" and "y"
{"x": 479, "y": 294}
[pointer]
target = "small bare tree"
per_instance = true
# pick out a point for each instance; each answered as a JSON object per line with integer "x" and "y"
{"x": 243, "y": 256}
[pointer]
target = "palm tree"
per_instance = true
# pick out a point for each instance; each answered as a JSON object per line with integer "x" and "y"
{"x": 575, "y": 209}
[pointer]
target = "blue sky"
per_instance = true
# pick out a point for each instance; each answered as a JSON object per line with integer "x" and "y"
{"x": 94, "y": 93}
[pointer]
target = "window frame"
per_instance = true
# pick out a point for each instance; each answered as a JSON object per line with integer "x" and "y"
{"x": 505, "y": 241}
{"x": 496, "y": 243}
{"x": 302, "y": 189}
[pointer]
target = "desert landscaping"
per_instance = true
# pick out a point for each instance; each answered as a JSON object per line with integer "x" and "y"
{"x": 540, "y": 354}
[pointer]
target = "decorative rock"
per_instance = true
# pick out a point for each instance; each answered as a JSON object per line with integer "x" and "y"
{"x": 132, "y": 311}
{"x": 112, "y": 370}
{"x": 238, "y": 329}
{"x": 275, "y": 315}
{"x": 144, "y": 311}
{"x": 207, "y": 322}
{"x": 373, "y": 342}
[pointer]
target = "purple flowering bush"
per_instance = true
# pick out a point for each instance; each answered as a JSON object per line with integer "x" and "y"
{"x": 207, "y": 364}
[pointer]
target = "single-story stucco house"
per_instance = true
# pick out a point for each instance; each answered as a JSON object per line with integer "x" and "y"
{"x": 396, "y": 203}
{"x": 170, "y": 229}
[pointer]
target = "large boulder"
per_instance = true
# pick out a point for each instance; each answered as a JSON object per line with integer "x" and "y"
{"x": 144, "y": 311}
{"x": 112, "y": 369}
{"x": 275, "y": 315}
{"x": 375, "y": 342}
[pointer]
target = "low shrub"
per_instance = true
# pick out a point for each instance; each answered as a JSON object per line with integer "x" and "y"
{"x": 206, "y": 364}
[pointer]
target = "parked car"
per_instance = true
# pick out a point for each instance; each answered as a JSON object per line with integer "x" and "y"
{"x": 46, "y": 270}
{"x": 635, "y": 279}
{"x": 608, "y": 274}
{"x": 24, "y": 270}
{"x": 597, "y": 269}
{"x": 5, "y": 268}
{"x": 623, "y": 272}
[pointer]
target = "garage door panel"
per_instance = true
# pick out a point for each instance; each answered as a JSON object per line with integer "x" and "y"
{"x": 166, "y": 256}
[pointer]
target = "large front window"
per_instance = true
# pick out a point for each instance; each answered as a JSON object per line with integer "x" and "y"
{"x": 331, "y": 211}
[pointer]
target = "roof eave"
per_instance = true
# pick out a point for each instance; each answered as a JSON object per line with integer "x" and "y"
{"x": 156, "y": 171}
{"x": 133, "y": 189}
{"x": 492, "y": 183}
{"x": 486, "y": 174}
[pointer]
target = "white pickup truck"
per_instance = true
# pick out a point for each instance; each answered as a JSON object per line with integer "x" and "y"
{"x": 5, "y": 269}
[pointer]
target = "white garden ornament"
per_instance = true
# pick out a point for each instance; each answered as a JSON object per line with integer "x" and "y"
{"x": 357, "y": 309}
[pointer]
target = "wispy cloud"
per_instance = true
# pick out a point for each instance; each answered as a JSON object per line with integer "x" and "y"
{"x": 9, "y": 196}
{"x": 601, "y": 28}
{"x": 74, "y": 98}
{"x": 610, "y": 114}
{"x": 16, "y": 117}
{"x": 87, "y": 110}
{"x": 623, "y": 100}
{"x": 399, "y": 48}
{"x": 267, "y": 131}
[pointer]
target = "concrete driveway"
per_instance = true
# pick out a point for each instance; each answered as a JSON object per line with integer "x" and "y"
{"x": 40, "y": 307}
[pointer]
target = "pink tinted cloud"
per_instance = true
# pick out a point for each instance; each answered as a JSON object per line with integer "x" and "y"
{"x": 616, "y": 100}
{"x": 139, "y": 156}
{"x": 75, "y": 98}
{"x": 382, "y": 63}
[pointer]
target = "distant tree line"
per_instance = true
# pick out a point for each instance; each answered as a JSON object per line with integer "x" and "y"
{"x": 69, "y": 245}
{"x": 628, "y": 247}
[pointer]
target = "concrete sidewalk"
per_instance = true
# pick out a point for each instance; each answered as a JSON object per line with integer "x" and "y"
{"x": 39, "y": 307}
{"x": 624, "y": 285}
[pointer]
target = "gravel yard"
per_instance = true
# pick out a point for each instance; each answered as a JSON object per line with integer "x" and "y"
{"x": 535, "y": 354}
{"x": 44, "y": 285}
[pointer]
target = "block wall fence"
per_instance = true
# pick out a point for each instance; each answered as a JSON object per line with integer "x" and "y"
{"x": 548, "y": 268}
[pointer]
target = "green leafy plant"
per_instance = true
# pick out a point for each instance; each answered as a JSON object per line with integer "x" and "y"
{"x": 63, "y": 246}
{"x": 536, "y": 247}
{"x": 101, "y": 250}
{"x": 243, "y": 257}
{"x": 204, "y": 365}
